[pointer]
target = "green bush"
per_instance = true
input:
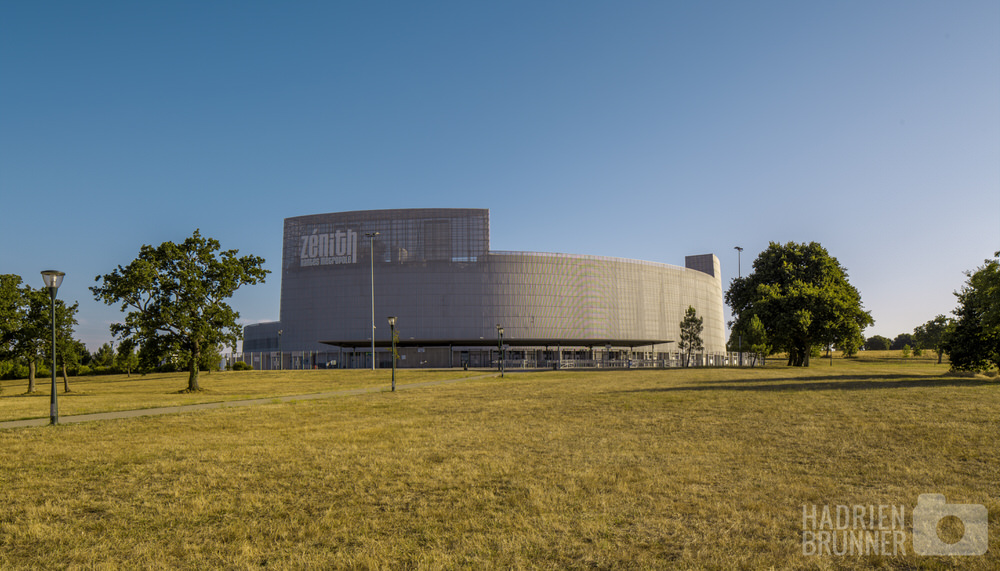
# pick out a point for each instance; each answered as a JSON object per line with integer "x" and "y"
{"x": 241, "y": 366}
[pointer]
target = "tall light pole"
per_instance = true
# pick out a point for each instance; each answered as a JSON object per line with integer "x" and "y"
{"x": 371, "y": 238}
{"x": 500, "y": 347}
{"x": 392, "y": 329}
{"x": 739, "y": 273}
{"x": 280, "y": 364}
{"x": 53, "y": 279}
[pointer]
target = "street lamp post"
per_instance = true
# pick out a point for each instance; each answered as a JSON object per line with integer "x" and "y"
{"x": 500, "y": 347}
{"x": 739, "y": 270}
{"x": 371, "y": 238}
{"x": 392, "y": 329}
{"x": 280, "y": 358}
{"x": 53, "y": 280}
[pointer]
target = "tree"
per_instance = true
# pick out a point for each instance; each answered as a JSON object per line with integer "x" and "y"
{"x": 803, "y": 299}
{"x": 74, "y": 355}
{"x": 931, "y": 335}
{"x": 691, "y": 328}
{"x": 850, "y": 345}
{"x": 66, "y": 346}
{"x": 11, "y": 314}
{"x": 104, "y": 356}
{"x": 11, "y": 307}
{"x": 176, "y": 296}
{"x": 126, "y": 359}
{"x": 878, "y": 343}
{"x": 902, "y": 340}
{"x": 754, "y": 338}
{"x": 973, "y": 344}
{"x": 32, "y": 339}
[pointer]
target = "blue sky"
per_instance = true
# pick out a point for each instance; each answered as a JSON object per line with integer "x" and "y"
{"x": 648, "y": 130}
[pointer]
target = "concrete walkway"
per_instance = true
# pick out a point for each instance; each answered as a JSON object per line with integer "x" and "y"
{"x": 227, "y": 404}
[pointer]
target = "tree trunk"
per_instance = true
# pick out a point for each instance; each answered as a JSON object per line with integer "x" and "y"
{"x": 65, "y": 379}
{"x": 31, "y": 376}
{"x": 798, "y": 357}
{"x": 939, "y": 356}
{"x": 193, "y": 369}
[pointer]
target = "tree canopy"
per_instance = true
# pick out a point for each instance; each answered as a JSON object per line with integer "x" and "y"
{"x": 973, "y": 344}
{"x": 803, "y": 299}
{"x": 175, "y": 298}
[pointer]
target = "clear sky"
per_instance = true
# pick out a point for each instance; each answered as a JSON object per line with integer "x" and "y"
{"x": 648, "y": 130}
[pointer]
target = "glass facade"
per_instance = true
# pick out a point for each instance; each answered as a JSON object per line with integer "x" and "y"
{"x": 434, "y": 271}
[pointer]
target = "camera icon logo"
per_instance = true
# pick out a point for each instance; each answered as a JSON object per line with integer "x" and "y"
{"x": 931, "y": 509}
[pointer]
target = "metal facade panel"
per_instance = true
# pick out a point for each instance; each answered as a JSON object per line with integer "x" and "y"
{"x": 434, "y": 271}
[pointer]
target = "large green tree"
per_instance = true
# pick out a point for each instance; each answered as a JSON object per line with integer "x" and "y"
{"x": 802, "y": 297}
{"x": 175, "y": 297}
{"x": 931, "y": 335}
{"x": 973, "y": 344}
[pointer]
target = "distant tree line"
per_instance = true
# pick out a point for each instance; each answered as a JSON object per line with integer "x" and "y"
{"x": 26, "y": 333}
{"x": 177, "y": 316}
{"x": 971, "y": 338}
{"x": 798, "y": 300}
{"x": 26, "y": 341}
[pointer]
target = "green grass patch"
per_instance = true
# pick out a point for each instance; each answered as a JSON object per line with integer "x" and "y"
{"x": 688, "y": 469}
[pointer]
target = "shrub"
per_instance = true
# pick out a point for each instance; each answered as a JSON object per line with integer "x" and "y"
{"x": 906, "y": 351}
{"x": 241, "y": 366}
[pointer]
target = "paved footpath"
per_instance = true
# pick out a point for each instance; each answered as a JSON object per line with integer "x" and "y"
{"x": 226, "y": 404}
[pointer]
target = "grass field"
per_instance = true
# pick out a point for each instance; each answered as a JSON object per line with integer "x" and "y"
{"x": 121, "y": 392}
{"x": 688, "y": 469}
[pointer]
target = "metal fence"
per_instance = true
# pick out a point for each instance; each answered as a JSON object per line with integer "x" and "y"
{"x": 302, "y": 360}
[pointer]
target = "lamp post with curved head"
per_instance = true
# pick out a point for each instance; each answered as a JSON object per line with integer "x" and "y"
{"x": 500, "y": 347}
{"x": 371, "y": 238}
{"x": 392, "y": 329}
{"x": 53, "y": 280}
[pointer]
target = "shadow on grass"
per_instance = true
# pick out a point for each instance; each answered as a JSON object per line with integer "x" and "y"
{"x": 47, "y": 394}
{"x": 829, "y": 383}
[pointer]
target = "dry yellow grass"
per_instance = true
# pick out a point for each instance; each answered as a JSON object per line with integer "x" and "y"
{"x": 119, "y": 392}
{"x": 689, "y": 469}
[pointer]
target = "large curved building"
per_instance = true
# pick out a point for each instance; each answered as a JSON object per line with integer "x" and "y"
{"x": 434, "y": 271}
